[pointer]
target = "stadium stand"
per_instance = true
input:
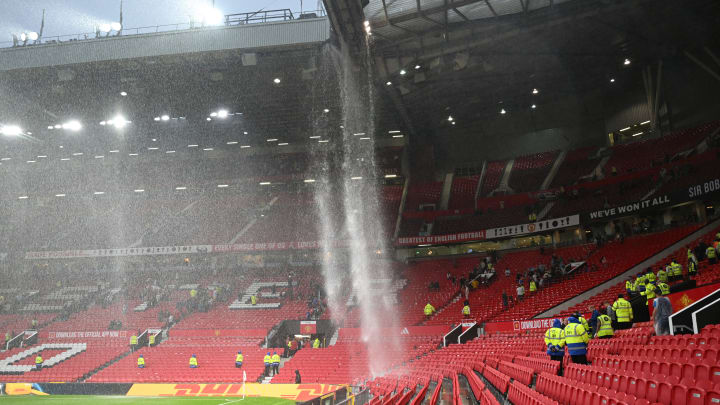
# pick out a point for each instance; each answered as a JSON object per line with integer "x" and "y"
{"x": 528, "y": 172}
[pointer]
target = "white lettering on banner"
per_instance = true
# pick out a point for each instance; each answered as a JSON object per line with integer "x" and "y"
{"x": 545, "y": 323}
{"x": 455, "y": 237}
{"x": 707, "y": 187}
{"x": 631, "y": 208}
{"x": 91, "y": 334}
{"x": 169, "y": 250}
{"x": 534, "y": 227}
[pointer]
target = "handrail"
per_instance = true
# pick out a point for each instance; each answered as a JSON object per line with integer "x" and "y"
{"x": 257, "y": 17}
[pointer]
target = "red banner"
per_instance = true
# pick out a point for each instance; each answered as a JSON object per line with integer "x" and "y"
{"x": 104, "y": 334}
{"x": 308, "y": 327}
{"x": 681, "y": 299}
{"x": 398, "y": 331}
{"x": 435, "y": 239}
{"x": 259, "y": 333}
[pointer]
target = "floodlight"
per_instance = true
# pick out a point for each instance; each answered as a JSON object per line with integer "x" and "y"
{"x": 156, "y": 119}
{"x": 388, "y": 83}
{"x": 276, "y": 80}
{"x": 326, "y": 110}
{"x": 119, "y": 122}
{"x": 208, "y": 15}
{"x": 165, "y": 117}
{"x": 116, "y": 26}
{"x": 533, "y": 106}
{"x": 123, "y": 93}
{"x": 73, "y": 125}
{"x": 450, "y": 118}
{"x": 33, "y": 36}
{"x": 222, "y": 113}
{"x": 417, "y": 67}
{"x": 403, "y": 72}
{"x": 626, "y": 62}
{"x": 23, "y": 37}
{"x": 535, "y": 91}
{"x": 502, "y": 111}
{"x": 11, "y": 130}
{"x": 105, "y": 28}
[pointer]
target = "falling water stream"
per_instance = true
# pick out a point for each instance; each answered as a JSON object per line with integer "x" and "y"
{"x": 348, "y": 204}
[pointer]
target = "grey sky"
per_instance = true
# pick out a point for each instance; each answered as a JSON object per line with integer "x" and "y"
{"x": 64, "y": 17}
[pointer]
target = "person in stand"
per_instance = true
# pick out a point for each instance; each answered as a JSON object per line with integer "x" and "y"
{"x": 650, "y": 276}
{"x": 466, "y": 309}
{"x": 692, "y": 267}
{"x": 711, "y": 254}
{"x": 505, "y": 300}
{"x": 193, "y": 361}
{"x": 267, "y": 360}
{"x": 298, "y": 380}
{"x": 649, "y": 292}
{"x": 316, "y": 343}
{"x": 609, "y": 311}
{"x": 576, "y": 339}
{"x": 662, "y": 275}
{"x": 663, "y": 310}
{"x": 429, "y": 310}
{"x": 253, "y": 300}
{"x": 555, "y": 341}
{"x": 604, "y": 327}
{"x": 141, "y": 361}
{"x": 38, "y": 362}
{"x": 533, "y": 285}
{"x": 520, "y": 292}
{"x": 624, "y": 312}
{"x": 663, "y": 287}
{"x": 583, "y": 322}
{"x": 275, "y": 363}
{"x": 239, "y": 359}
{"x": 133, "y": 342}
{"x": 677, "y": 269}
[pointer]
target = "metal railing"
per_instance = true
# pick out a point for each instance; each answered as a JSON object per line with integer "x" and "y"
{"x": 257, "y": 17}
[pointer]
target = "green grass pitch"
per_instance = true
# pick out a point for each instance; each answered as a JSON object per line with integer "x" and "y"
{"x": 121, "y": 400}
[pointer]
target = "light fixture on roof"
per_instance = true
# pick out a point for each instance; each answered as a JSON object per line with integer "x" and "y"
{"x": 365, "y": 138}
{"x": 232, "y": 143}
{"x": 11, "y": 130}
{"x": 208, "y": 118}
{"x": 612, "y": 80}
{"x": 626, "y": 62}
{"x": 390, "y": 176}
{"x": 401, "y": 135}
{"x": 324, "y": 141}
{"x": 65, "y": 159}
{"x": 453, "y": 123}
{"x": 244, "y": 146}
{"x": 624, "y": 129}
{"x": 315, "y": 137}
{"x": 326, "y": 110}
{"x": 23, "y": 197}
{"x": 118, "y": 122}
{"x": 60, "y": 195}
{"x": 99, "y": 193}
{"x": 180, "y": 188}
{"x": 245, "y": 132}
{"x": 5, "y": 158}
{"x": 535, "y": 91}
{"x": 533, "y": 106}
{"x": 169, "y": 151}
{"x": 450, "y": 118}
{"x": 388, "y": 83}
{"x": 222, "y": 185}
{"x": 394, "y": 132}
{"x": 356, "y": 178}
{"x": 116, "y": 26}
{"x": 206, "y": 14}
{"x": 272, "y": 140}
{"x": 100, "y": 157}
{"x": 123, "y": 93}
{"x": 264, "y": 183}
{"x": 208, "y": 149}
{"x": 32, "y": 161}
{"x": 73, "y": 125}
{"x": 502, "y": 111}
{"x": 222, "y": 113}
{"x": 165, "y": 117}
{"x": 277, "y": 80}
{"x": 417, "y": 67}
{"x": 359, "y": 134}
{"x": 645, "y": 122}
{"x": 366, "y": 23}
{"x": 132, "y": 154}
{"x": 192, "y": 145}
{"x": 213, "y": 114}
{"x": 77, "y": 154}
{"x": 50, "y": 127}
{"x": 309, "y": 180}
{"x": 114, "y": 151}
{"x": 139, "y": 190}
{"x": 403, "y": 72}
{"x": 156, "y": 119}
{"x": 637, "y": 134}
{"x": 58, "y": 126}
{"x": 282, "y": 144}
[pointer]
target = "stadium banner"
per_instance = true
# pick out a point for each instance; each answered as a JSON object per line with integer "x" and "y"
{"x": 265, "y": 246}
{"x": 259, "y": 333}
{"x": 630, "y": 208}
{"x": 435, "y": 239}
{"x": 435, "y": 331}
{"x": 308, "y": 327}
{"x": 293, "y": 392}
{"x": 105, "y": 334}
{"x": 124, "y": 252}
{"x": 519, "y": 326}
{"x": 65, "y": 388}
{"x": 681, "y": 299}
{"x": 533, "y": 227}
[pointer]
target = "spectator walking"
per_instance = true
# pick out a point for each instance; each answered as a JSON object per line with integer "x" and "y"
{"x": 520, "y": 292}
{"x": 576, "y": 339}
{"x": 663, "y": 310}
{"x": 555, "y": 341}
